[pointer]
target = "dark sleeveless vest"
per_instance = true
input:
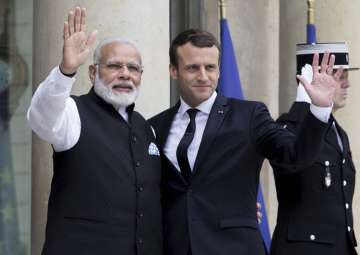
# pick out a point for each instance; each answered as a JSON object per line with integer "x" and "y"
{"x": 105, "y": 192}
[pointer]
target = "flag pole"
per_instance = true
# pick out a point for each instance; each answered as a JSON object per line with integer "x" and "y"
{"x": 311, "y": 12}
{"x": 222, "y": 6}
{"x": 310, "y": 26}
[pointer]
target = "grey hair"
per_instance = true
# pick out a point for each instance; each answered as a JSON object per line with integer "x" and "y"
{"x": 97, "y": 53}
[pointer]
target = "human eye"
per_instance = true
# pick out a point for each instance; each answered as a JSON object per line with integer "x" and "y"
{"x": 211, "y": 68}
{"x": 192, "y": 68}
{"x": 134, "y": 68}
{"x": 113, "y": 66}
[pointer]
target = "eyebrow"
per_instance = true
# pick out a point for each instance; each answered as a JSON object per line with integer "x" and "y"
{"x": 113, "y": 60}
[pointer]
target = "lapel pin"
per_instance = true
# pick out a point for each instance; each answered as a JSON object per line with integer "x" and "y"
{"x": 220, "y": 112}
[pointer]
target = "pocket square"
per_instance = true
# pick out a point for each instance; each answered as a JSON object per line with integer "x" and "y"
{"x": 153, "y": 150}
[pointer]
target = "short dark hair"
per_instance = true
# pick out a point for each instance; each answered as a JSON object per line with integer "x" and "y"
{"x": 197, "y": 37}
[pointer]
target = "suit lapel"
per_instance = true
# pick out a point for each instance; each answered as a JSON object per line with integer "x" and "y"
{"x": 215, "y": 120}
{"x": 343, "y": 139}
{"x": 164, "y": 128}
{"x": 331, "y": 137}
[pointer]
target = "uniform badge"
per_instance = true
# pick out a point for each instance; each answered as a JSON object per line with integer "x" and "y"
{"x": 153, "y": 150}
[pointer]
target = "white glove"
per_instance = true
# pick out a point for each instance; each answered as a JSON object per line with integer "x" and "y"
{"x": 301, "y": 95}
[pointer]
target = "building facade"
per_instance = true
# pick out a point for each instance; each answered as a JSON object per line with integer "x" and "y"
{"x": 264, "y": 34}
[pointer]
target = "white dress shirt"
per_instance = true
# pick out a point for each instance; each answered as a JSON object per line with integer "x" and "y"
{"x": 179, "y": 125}
{"x": 53, "y": 114}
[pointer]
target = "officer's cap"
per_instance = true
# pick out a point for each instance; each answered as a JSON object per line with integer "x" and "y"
{"x": 305, "y": 53}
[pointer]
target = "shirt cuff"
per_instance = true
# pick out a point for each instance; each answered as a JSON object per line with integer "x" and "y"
{"x": 63, "y": 83}
{"x": 321, "y": 113}
{"x": 68, "y": 75}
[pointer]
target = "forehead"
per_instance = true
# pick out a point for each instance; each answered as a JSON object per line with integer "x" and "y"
{"x": 120, "y": 52}
{"x": 190, "y": 54}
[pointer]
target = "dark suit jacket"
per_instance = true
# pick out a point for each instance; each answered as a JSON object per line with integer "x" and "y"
{"x": 313, "y": 218}
{"x": 215, "y": 213}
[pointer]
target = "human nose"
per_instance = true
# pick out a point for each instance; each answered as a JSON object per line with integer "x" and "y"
{"x": 203, "y": 75}
{"x": 345, "y": 83}
{"x": 123, "y": 72}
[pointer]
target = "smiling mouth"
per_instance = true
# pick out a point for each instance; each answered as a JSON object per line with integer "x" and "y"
{"x": 202, "y": 86}
{"x": 122, "y": 88}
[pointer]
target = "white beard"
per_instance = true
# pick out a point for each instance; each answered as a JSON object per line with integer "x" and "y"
{"x": 116, "y": 99}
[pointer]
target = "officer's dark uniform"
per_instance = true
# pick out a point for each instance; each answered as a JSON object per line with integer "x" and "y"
{"x": 315, "y": 204}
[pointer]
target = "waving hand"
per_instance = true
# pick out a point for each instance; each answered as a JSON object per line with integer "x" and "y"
{"x": 77, "y": 45}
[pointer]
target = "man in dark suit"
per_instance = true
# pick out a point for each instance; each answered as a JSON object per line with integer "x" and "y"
{"x": 214, "y": 147}
{"x": 315, "y": 205}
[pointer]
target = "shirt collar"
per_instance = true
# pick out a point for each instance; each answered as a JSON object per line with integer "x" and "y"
{"x": 204, "y": 107}
{"x": 122, "y": 110}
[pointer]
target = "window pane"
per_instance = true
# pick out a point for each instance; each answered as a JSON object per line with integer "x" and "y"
{"x": 15, "y": 136}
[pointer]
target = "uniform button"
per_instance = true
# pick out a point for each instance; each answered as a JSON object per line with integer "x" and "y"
{"x": 140, "y": 241}
{"x": 137, "y": 164}
{"x": 140, "y": 215}
{"x": 343, "y": 161}
{"x": 349, "y": 228}
{"x": 312, "y": 237}
{"x": 347, "y": 206}
{"x": 134, "y": 139}
{"x": 140, "y": 189}
{"x": 190, "y": 190}
{"x": 344, "y": 183}
{"x": 327, "y": 163}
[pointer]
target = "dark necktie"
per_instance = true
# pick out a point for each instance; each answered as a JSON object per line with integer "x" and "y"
{"x": 181, "y": 152}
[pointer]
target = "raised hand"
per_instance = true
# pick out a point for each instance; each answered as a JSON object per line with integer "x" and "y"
{"x": 77, "y": 45}
{"x": 322, "y": 87}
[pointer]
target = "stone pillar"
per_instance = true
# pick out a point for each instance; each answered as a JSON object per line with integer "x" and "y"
{"x": 293, "y": 18}
{"x": 254, "y": 27}
{"x": 336, "y": 21}
{"x": 144, "y": 22}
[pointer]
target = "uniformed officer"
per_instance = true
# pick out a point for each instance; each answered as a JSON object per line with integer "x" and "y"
{"x": 315, "y": 203}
